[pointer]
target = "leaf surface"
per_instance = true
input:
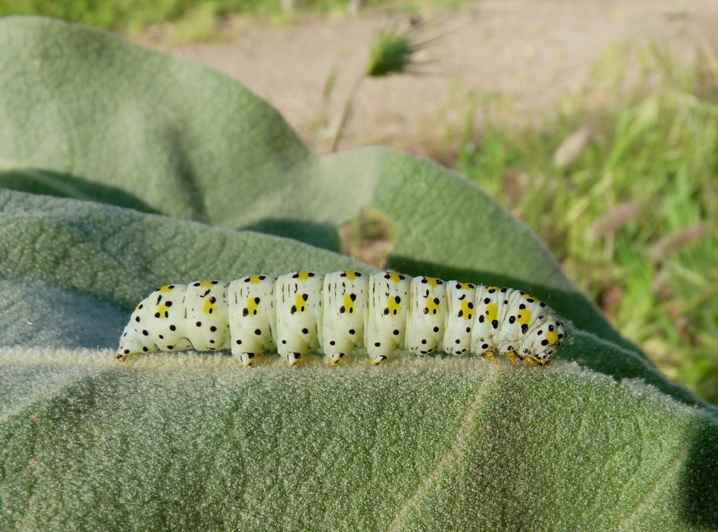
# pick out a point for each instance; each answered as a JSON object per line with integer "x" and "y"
{"x": 192, "y": 441}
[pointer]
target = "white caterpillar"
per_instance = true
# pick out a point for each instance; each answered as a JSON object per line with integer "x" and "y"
{"x": 302, "y": 311}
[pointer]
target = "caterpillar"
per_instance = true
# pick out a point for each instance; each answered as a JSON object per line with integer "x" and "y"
{"x": 303, "y": 311}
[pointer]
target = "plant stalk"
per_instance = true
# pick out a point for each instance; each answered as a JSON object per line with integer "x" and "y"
{"x": 345, "y": 113}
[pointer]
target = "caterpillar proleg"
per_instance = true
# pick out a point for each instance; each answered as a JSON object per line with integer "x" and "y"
{"x": 304, "y": 311}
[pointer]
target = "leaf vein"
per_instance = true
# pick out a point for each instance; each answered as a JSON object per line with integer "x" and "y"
{"x": 450, "y": 456}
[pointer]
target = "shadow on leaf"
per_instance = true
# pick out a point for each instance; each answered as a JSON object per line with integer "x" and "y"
{"x": 700, "y": 477}
{"x": 68, "y": 186}
{"x": 315, "y": 234}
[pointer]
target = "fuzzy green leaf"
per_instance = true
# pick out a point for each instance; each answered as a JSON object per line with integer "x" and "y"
{"x": 194, "y": 442}
{"x": 190, "y": 442}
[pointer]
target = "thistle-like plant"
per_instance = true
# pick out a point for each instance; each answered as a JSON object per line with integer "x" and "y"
{"x": 393, "y": 52}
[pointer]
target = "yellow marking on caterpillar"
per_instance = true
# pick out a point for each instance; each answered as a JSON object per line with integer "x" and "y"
{"x": 206, "y": 284}
{"x": 252, "y": 306}
{"x": 162, "y": 309}
{"x": 165, "y": 289}
{"x": 432, "y": 307}
{"x": 393, "y": 276}
{"x": 524, "y": 317}
{"x": 300, "y": 303}
{"x": 209, "y": 306}
{"x": 466, "y": 311}
{"x": 433, "y": 281}
{"x": 552, "y": 337}
{"x": 463, "y": 286}
{"x": 394, "y": 307}
{"x": 351, "y": 276}
{"x": 348, "y": 303}
{"x": 255, "y": 279}
{"x": 492, "y": 311}
{"x": 303, "y": 276}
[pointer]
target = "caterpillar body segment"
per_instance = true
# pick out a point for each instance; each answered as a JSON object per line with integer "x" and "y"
{"x": 521, "y": 311}
{"x": 303, "y": 311}
{"x": 299, "y": 314}
{"x": 252, "y": 317}
{"x": 206, "y": 311}
{"x": 345, "y": 296}
{"x": 486, "y": 325}
{"x": 386, "y": 315}
{"x": 460, "y": 317}
{"x": 425, "y": 323}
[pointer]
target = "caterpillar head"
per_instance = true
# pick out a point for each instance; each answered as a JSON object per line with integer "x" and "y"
{"x": 543, "y": 340}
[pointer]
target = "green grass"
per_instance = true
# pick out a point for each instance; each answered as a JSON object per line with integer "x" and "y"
{"x": 652, "y": 266}
{"x": 135, "y": 15}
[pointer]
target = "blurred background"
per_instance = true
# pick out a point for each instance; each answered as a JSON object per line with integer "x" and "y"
{"x": 595, "y": 122}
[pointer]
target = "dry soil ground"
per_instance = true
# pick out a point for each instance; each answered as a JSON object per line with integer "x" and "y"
{"x": 536, "y": 54}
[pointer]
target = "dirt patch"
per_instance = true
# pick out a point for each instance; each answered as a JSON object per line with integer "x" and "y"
{"x": 533, "y": 54}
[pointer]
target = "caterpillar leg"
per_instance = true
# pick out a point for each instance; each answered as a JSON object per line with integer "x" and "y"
{"x": 489, "y": 355}
{"x": 376, "y": 360}
{"x": 293, "y": 359}
{"x": 531, "y": 361}
{"x": 335, "y": 359}
{"x": 537, "y": 361}
{"x": 246, "y": 359}
{"x": 513, "y": 358}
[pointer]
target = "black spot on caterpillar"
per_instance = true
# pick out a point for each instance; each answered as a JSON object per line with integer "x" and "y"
{"x": 303, "y": 311}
